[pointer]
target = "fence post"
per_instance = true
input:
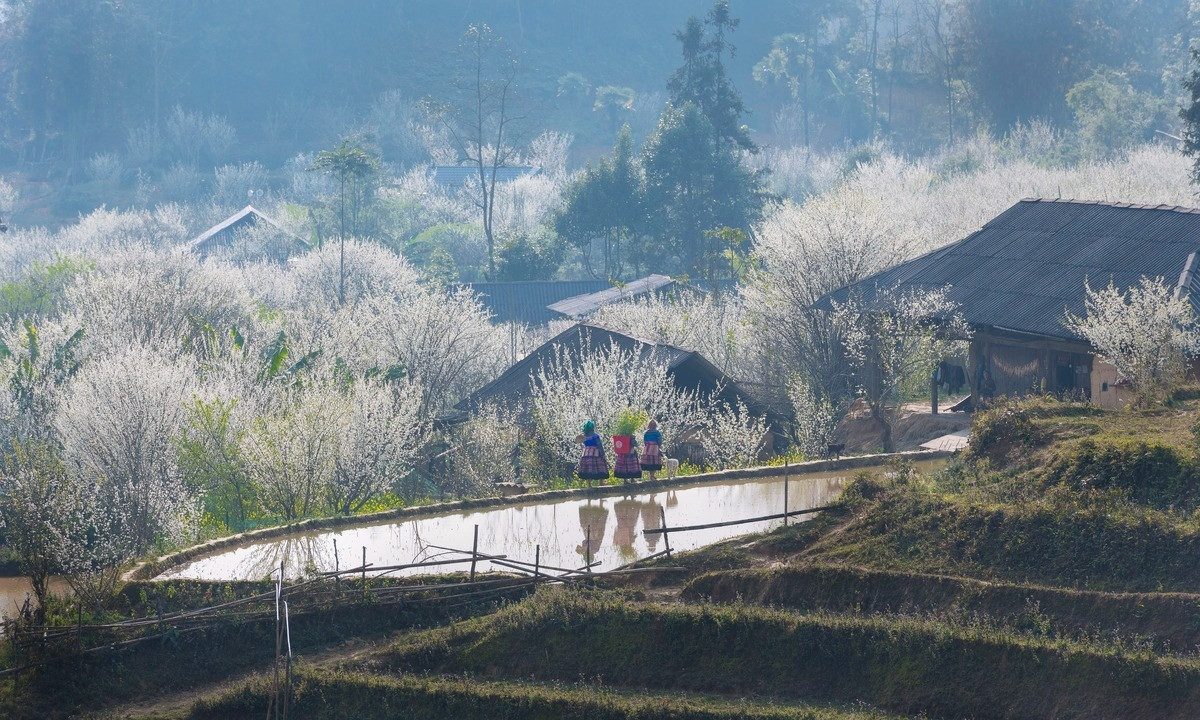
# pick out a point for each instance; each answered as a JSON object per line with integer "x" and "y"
{"x": 537, "y": 560}
{"x": 337, "y": 577}
{"x": 587, "y": 549}
{"x": 474, "y": 552}
{"x": 662, "y": 513}
{"x": 364, "y": 574}
{"x": 287, "y": 696}
{"x": 785, "y": 492}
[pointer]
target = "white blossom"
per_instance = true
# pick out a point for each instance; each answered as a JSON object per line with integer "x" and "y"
{"x": 118, "y": 421}
{"x": 1148, "y": 332}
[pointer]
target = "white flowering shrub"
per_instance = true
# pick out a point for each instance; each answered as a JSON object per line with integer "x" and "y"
{"x": 8, "y": 198}
{"x": 1146, "y": 331}
{"x": 105, "y": 168}
{"x": 118, "y": 420}
{"x": 815, "y": 417}
{"x": 484, "y": 449}
{"x": 162, "y": 298}
{"x": 714, "y": 327}
{"x": 894, "y": 343}
{"x": 290, "y": 452}
{"x": 598, "y": 384}
{"x": 379, "y": 438}
{"x": 733, "y": 436}
{"x": 236, "y": 186}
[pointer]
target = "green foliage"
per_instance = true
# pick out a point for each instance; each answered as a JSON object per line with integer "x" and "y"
{"x": 39, "y": 292}
{"x": 629, "y": 421}
{"x": 1003, "y": 428}
{"x": 1148, "y": 472}
{"x": 607, "y": 202}
{"x": 1110, "y": 114}
{"x": 695, "y": 184}
{"x": 528, "y": 257}
{"x": 210, "y": 462}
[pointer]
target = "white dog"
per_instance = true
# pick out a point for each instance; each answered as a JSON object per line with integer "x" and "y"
{"x": 670, "y": 466}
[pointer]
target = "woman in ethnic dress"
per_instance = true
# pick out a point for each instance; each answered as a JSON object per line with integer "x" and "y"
{"x": 652, "y": 456}
{"x": 593, "y": 465}
{"x": 628, "y": 468}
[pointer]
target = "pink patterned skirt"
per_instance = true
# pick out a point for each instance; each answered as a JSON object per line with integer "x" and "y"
{"x": 628, "y": 467}
{"x": 593, "y": 465}
{"x": 652, "y": 457}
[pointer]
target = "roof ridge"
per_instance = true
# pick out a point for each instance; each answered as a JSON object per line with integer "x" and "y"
{"x": 1110, "y": 203}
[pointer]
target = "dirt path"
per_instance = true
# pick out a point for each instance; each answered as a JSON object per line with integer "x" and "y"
{"x": 173, "y": 702}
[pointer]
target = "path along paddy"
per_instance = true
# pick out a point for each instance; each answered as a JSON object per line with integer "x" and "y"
{"x": 604, "y": 525}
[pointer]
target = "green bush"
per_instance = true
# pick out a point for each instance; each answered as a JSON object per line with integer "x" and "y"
{"x": 1148, "y": 472}
{"x": 999, "y": 430}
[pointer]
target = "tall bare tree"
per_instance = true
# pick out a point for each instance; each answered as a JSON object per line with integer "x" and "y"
{"x": 480, "y": 121}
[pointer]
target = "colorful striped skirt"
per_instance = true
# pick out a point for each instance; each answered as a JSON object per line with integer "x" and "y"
{"x": 652, "y": 457}
{"x": 593, "y": 465}
{"x": 628, "y": 467}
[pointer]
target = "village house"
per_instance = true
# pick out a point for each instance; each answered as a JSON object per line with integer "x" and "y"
{"x": 221, "y": 239}
{"x": 689, "y": 370}
{"x": 1016, "y": 278}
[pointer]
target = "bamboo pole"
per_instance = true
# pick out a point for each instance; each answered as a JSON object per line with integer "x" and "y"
{"x": 474, "y": 552}
{"x": 706, "y": 526}
{"x": 785, "y": 492}
{"x": 662, "y": 513}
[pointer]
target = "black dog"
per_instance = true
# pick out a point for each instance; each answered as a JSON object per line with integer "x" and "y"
{"x": 834, "y": 450}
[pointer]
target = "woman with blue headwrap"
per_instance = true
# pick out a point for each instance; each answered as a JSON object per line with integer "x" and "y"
{"x": 593, "y": 465}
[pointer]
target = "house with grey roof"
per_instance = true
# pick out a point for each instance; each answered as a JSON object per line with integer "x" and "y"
{"x": 581, "y": 306}
{"x": 688, "y": 369}
{"x": 526, "y": 302}
{"x": 222, "y": 236}
{"x": 1015, "y": 279}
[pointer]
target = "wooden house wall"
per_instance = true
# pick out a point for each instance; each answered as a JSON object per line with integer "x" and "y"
{"x": 1021, "y": 364}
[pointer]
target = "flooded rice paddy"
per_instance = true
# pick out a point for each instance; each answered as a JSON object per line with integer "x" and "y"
{"x": 566, "y": 532}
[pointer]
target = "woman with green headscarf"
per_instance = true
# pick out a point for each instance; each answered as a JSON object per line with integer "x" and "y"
{"x": 593, "y": 465}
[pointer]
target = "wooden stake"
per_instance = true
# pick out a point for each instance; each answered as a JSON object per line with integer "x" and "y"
{"x": 537, "y": 560}
{"x": 364, "y": 574}
{"x": 666, "y": 540}
{"x": 474, "y": 552}
{"x": 587, "y": 548}
{"x": 785, "y": 492}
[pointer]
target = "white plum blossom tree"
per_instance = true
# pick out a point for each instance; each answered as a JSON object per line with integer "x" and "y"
{"x": 733, "y": 436}
{"x": 380, "y": 435}
{"x": 1148, "y": 332}
{"x": 894, "y": 342}
{"x": 599, "y": 382}
{"x": 485, "y": 446}
{"x": 290, "y": 452}
{"x": 118, "y": 421}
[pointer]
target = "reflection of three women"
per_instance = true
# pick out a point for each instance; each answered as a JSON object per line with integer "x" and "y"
{"x": 593, "y": 465}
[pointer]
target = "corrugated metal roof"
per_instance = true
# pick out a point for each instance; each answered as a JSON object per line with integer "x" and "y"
{"x": 1026, "y": 267}
{"x": 456, "y": 175}
{"x": 526, "y": 301}
{"x": 222, "y": 232}
{"x": 581, "y": 306}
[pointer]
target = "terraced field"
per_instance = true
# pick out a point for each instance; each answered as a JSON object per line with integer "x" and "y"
{"x": 1052, "y": 572}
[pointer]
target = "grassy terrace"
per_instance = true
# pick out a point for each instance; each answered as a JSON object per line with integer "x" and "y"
{"x": 1054, "y": 571}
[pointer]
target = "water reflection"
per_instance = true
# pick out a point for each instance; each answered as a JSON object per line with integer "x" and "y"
{"x": 566, "y": 531}
{"x": 15, "y": 590}
{"x": 592, "y": 520}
